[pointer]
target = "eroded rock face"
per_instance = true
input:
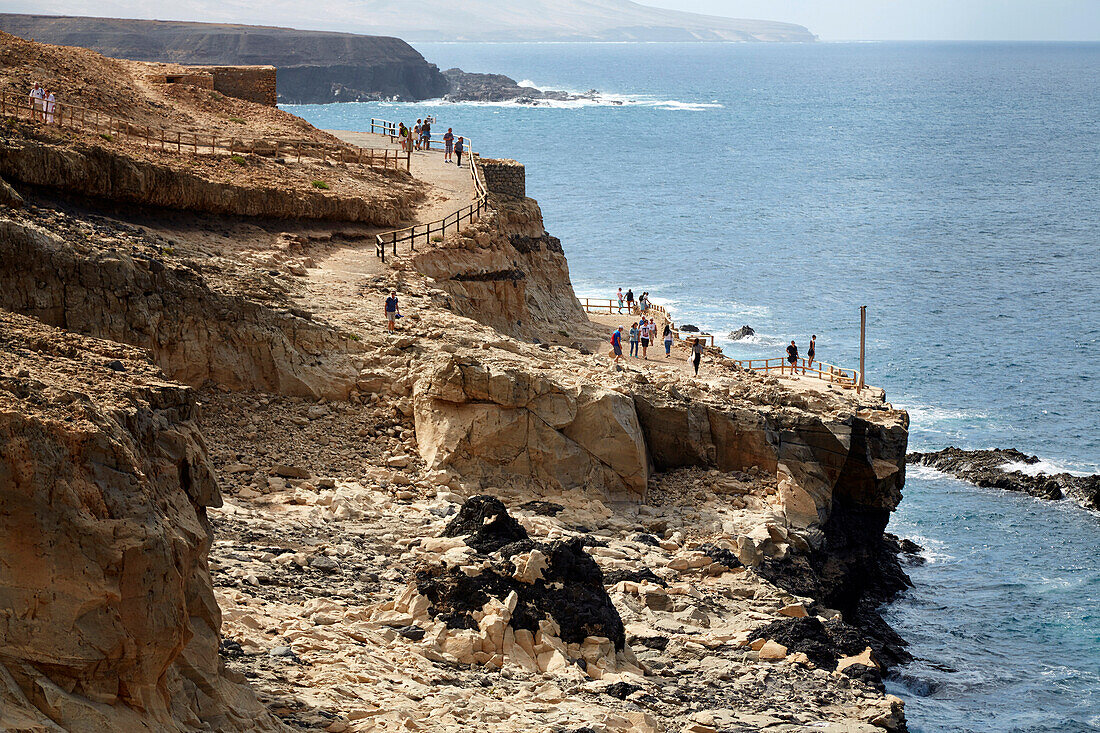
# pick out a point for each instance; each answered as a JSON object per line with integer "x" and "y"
{"x": 95, "y": 171}
{"x": 195, "y": 334}
{"x": 111, "y": 622}
{"x": 493, "y": 423}
{"x": 506, "y": 271}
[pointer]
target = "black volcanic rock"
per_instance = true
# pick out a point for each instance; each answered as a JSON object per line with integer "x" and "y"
{"x": 986, "y": 468}
{"x": 486, "y": 523}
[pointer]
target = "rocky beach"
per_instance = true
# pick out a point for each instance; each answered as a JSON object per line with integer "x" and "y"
{"x": 232, "y": 500}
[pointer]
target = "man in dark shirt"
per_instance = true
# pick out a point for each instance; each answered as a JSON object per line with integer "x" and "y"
{"x": 792, "y": 357}
{"x": 392, "y": 311}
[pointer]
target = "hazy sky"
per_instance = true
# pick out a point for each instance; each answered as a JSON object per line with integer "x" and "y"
{"x": 832, "y": 20}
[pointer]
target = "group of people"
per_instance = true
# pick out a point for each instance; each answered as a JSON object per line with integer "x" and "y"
{"x": 419, "y": 137}
{"x": 43, "y": 104}
{"x": 643, "y": 301}
{"x": 644, "y": 332}
{"x": 792, "y": 355}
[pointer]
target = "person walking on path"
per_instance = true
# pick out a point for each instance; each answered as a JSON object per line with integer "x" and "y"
{"x": 620, "y": 300}
{"x": 810, "y": 351}
{"x": 617, "y": 345}
{"x": 416, "y": 134}
{"x": 393, "y": 311}
{"x": 668, "y": 341}
{"x": 634, "y": 333}
{"x": 696, "y": 354}
{"x": 459, "y": 147}
{"x": 403, "y": 134}
{"x": 645, "y": 339}
{"x": 629, "y": 301}
{"x": 448, "y": 145}
{"x": 426, "y": 134}
{"x": 792, "y": 357}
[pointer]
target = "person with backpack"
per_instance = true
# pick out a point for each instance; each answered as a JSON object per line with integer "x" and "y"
{"x": 617, "y": 345}
{"x": 393, "y": 311}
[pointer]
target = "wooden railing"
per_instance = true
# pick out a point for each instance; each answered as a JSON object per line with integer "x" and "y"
{"x": 597, "y": 305}
{"x": 438, "y": 228}
{"x": 158, "y": 137}
{"x": 831, "y": 373}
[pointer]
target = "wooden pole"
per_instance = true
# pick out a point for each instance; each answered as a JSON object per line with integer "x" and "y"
{"x": 862, "y": 347}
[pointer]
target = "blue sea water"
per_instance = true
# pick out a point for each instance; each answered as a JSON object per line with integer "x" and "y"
{"x": 952, "y": 188}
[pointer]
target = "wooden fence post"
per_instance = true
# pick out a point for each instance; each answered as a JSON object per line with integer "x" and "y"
{"x": 862, "y": 347}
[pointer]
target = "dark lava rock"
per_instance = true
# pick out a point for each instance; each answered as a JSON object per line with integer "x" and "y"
{"x": 230, "y": 649}
{"x": 621, "y": 690}
{"x": 543, "y": 508}
{"x": 720, "y": 555}
{"x": 823, "y": 643}
{"x": 986, "y": 468}
{"x": 741, "y": 333}
{"x": 645, "y": 539}
{"x": 571, "y": 592}
{"x": 612, "y": 577}
{"x": 660, "y": 643}
{"x": 486, "y": 524}
{"x": 412, "y": 633}
{"x": 856, "y": 571}
{"x": 869, "y": 676}
{"x": 689, "y": 328}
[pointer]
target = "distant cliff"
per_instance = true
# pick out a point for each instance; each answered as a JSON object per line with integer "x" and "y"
{"x": 313, "y": 66}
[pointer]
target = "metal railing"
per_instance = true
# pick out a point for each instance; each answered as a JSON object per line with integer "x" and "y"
{"x": 109, "y": 127}
{"x": 434, "y": 230}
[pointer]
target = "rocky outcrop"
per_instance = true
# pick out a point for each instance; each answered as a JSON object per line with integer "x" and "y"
{"x": 313, "y": 66}
{"x": 491, "y": 423}
{"x": 104, "y": 488}
{"x": 195, "y": 334}
{"x": 506, "y": 271}
{"x": 95, "y": 170}
{"x": 467, "y": 86}
{"x": 989, "y": 469}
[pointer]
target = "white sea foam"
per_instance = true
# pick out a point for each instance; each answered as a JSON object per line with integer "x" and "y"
{"x": 1043, "y": 466}
{"x": 601, "y": 99}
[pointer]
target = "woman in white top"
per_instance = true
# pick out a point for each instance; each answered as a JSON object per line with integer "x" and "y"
{"x": 51, "y": 105}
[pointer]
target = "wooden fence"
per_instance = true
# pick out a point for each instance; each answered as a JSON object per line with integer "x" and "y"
{"x": 434, "y": 229}
{"x": 109, "y": 127}
{"x": 839, "y": 376}
{"x": 611, "y": 307}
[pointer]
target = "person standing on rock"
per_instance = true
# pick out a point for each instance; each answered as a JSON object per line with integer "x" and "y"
{"x": 668, "y": 341}
{"x": 696, "y": 354}
{"x": 448, "y": 146}
{"x": 620, "y": 296}
{"x": 459, "y": 147}
{"x": 393, "y": 311}
{"x": 810, "y": 352}
{"x": 617, "y": 345}
{"x": 792, "y": 357}
{"x": 634, "y": 340}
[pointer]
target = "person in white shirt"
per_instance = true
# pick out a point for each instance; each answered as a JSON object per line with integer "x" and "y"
{"x": 37, "y": 101}
{"x": 50, "y": 104}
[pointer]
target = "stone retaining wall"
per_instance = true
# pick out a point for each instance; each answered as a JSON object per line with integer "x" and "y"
{"x": 504, "y": 177}
{"x": 251, "y": 83}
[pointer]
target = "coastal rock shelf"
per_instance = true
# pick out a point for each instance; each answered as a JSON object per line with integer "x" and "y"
{"x": 1001, "y": 469}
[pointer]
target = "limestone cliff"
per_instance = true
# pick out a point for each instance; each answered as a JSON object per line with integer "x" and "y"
{"x": 109, "y": 615}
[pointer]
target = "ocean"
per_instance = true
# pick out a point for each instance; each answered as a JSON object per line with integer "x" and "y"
{"x": 953, "y": 189}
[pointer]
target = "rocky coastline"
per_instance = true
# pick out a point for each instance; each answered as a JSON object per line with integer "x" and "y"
{"x": 989, "y": 469}
{"x": 240, "y": 503}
